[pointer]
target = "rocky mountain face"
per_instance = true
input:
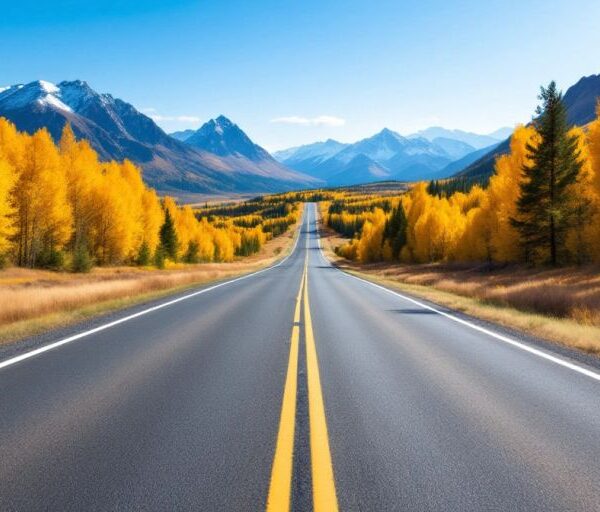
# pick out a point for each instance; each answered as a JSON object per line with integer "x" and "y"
{"x": 580, "y": 101}
{"x": 117, "y": 130}
{"x": 385, "y": 155}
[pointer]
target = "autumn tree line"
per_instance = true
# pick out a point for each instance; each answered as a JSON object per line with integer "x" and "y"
{"x": 541, "y": 206}
{"x": 62, "y": 208}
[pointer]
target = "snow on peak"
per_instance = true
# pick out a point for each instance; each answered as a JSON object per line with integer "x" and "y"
{"x": 75, "y": 94}
{"x": 41, "y": 92}
{"x": 48, "y": 87}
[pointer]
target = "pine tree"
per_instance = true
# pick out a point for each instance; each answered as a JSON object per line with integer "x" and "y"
{"x": 144, "y": 255}
{"x": 395, "y": 230}
{"x": 192, "y": 253}
{"x": 168, "y": 237}
{"x": 545, "y": 205}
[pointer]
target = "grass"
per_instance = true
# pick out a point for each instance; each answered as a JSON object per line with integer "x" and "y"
{"x": 560, "y": 305}
{"x": 34, "y": 300}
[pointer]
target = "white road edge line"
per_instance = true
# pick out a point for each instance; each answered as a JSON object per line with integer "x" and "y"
{"x": 500, "y": 337}
{"x": 56, "y": 344}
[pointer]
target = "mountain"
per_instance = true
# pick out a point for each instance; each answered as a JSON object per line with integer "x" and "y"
{"x": 228, "y": 142}
{"x": 454, "y": 148}
{"x": 182, "y": 135}
{"x": 385, "y": 155}
{"x": 501, "y": 133}
{"x": 580, "y": 101}
{"x": 307, "y": 158}
{"x": 224, "y": 138}
{"x": 475, "y": 140}
{"x": 402, "y": 158}
{"x": 465, "y": 161}
{"x": 361, "y": 169}
{"x": 117, "y": 131}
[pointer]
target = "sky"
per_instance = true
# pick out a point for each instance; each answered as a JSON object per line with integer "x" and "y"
{"x": 291, "y": 72}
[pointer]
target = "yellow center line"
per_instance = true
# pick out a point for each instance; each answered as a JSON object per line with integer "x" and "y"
{"x": 280, "y": 488}
{"x": 324, "y": 497}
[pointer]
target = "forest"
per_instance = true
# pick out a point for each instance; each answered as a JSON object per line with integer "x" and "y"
{"x": 62, "y": 208}
{"x": 541, "y": 206}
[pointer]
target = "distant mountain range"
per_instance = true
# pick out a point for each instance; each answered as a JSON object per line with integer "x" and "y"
{"x": 472, "y": 139}
{"x": 218, "y": 158}
{"x": 386, "y": 155}
{"x": 580, "y": 101}
{"x": 433, "y": 153}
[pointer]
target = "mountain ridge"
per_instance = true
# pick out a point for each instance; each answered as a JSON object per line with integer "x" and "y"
{"x": 116, "y": 130}
{"x": 580, "y": 101}
{"x": 389, "y": 155}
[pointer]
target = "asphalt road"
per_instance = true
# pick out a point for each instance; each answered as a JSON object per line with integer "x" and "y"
{"x": 298, "y": 385}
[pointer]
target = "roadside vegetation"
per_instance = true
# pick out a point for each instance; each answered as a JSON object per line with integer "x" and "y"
{"x": 79, "y": 236}
{"x": 34, "y": 300}
{"x": 63, "y": 209}
{"x": 528, "y": 240}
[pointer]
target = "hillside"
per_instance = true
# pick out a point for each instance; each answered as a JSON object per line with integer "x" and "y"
{"x": 580, "y": 101}
{"x": 116, "y": 130}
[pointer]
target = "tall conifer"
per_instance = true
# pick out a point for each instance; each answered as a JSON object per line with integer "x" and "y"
{"x": 545, "y": 206}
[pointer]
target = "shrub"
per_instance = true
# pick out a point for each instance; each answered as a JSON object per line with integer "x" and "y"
{"x": 82, "y": 261}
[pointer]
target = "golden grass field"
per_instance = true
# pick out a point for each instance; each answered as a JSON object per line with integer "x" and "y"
{"x": 557, "y": 304}
{"x": 37, "y": 300}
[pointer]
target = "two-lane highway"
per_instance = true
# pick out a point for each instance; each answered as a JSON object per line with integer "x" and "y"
{"x": 299, "y": 387}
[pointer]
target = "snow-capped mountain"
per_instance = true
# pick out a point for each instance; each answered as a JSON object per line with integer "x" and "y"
{"x": 118, "y": 131}
{"x": 231, "y": 145}
{"x": 224, "y": 138}
{"x": 385, "y": 155}
{"x": 305, "y": 158}
{"x": 477, "y": 141}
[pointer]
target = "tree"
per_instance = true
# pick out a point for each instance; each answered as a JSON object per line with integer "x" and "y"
{"x": 7, "y": 181}
{"x": 44, "y": 217}
{"x": 144, "y": 255}
{"x": 168, "y": 237}
{"x": 80, "y": 164}
{"x": 545, "y": 206}
{"x": 395, "y": 230}
{"x": 192, "y": 253}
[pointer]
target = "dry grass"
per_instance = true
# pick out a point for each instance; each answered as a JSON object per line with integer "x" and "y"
{"x": 560, "y": 305}
{"x": 34, "y": 300}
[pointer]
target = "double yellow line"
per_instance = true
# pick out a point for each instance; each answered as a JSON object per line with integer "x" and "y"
{"x": 323, "y": 483}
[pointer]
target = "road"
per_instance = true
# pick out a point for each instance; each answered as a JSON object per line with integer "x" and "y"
{"x": 298, "y": 386}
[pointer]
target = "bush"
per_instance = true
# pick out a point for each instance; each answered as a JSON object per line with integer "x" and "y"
{"x": 51, "y": 259}
{"x": 82, "y": 261}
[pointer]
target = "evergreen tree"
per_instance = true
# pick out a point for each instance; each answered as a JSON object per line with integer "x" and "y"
{"x": 545, "y": 207}
{"x": 193, "y": 252}
{"x": 144, "y": 255}
{"x": 395, "y": 230}
{"x": 168, "y": 237}
{"x": 159, "y": 258}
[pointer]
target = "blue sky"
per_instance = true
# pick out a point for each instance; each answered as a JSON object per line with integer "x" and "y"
{"x": 292, "y": 72}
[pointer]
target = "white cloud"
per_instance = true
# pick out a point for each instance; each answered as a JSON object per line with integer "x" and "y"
{"x": 179, "y": 119}
{"x": 311, "y": 121}
{"x": 151, "y": 112}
